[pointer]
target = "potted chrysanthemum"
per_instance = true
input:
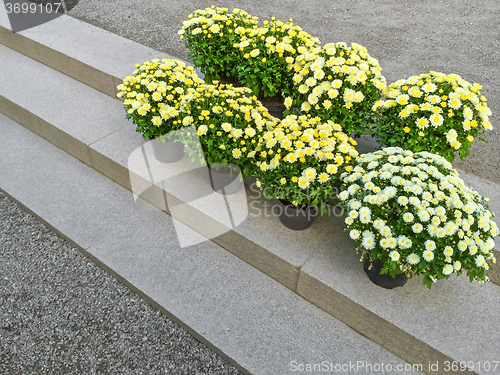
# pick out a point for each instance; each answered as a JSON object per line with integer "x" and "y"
{"x": 298, "y": 162}
{"x": 228, "y": 122}
{"x": 433, "y": 112}
{"x": 413, "y": 215}
{"x": 209, "y": 36}
{"x": 337, "y": 82}
{"x": 151, "y": 99}
{"x": 266, "y": 53}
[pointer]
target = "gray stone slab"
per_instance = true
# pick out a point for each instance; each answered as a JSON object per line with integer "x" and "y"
{"x": 4, "y": 18}
{"x": 259, "y": 324}
{"x": 45, "y": 130}
{"x": 96, "y": 57}
{"x": 69, "y": 105}
{"x": 76, "y": 200}
{"x": 441, "y": 321}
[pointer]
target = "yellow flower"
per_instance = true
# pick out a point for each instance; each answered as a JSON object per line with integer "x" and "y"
{"x": 236, "y": 153}
{"x": 264, "y": 60}
{"x": 470, "y": 138}
{"x": 294, "y": 179}
{"x": 406, "y": 129}
{"x": 303, "y": 182}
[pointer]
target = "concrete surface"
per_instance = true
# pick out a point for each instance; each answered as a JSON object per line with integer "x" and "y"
{"x": 445, "y": 317}
{"x": 60, "y": 313}
{"x": 260, "y": 325}
{"x": 71, "y": 107}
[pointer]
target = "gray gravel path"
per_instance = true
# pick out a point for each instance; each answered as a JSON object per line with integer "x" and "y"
{"x": 62, "y": 314}
{"x": 407, "y": 36}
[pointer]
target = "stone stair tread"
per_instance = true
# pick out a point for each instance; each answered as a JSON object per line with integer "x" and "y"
{"x": 257, "y": 323}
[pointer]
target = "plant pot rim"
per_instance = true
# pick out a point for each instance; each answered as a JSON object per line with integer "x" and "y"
{"x": 290, "y": 204}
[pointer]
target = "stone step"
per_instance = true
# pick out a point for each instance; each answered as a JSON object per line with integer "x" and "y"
{"x": 254, "y": 322}
{"x": 96, "y": 57}
{"x": 320, "y": 264}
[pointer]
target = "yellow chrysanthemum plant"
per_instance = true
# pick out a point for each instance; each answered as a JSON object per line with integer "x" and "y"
{"x": 152, "y": 94}
{"x": 228, "y": 122}
{"x": 337, "y": 82}
{"x": 209, "y": 36}
{"x": 433, "y": 112}
{"x": 413, "y": 212}
{"x": 266, "y": 53}
{"x": 301, "y": 158}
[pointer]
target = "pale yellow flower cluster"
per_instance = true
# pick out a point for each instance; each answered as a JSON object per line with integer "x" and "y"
{"x": 155, "y": 89}
{"x": 438, "y": 101}
{"x": 303, "y": 152}
{"x": 414, "y": 208}
{"x": 336, "y": 72}
{"x": 275, "y": 38}
{"x": 216, "y": 21}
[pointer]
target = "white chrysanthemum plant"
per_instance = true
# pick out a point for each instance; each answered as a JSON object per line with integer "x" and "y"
{"x": 339, "y": 83}
{"x": 433, "y": 112}
{"x": 414, "y": 213}
{"x": 301, "y": 158}
{"x": 209, "y": 36}
{"x": 229, "y": 123}
{"x": 151, "y": 96}
{"x": 266, "y": 54}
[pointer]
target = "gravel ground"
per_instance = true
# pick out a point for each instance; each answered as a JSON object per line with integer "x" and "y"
{"x": 407, "y": 37}
{"x": 62, "y": 314}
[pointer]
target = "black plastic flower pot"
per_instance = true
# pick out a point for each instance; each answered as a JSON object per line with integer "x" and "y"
{"x": 385, "y": 281}
{"x": 167, "y": 152}
{"x": 294, "y": 217}
{"x": 274, "y": 107}
{"x": 225, "y": 180}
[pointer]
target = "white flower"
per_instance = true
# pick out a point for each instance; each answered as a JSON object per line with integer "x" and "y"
{"x": 354, "y": 234}
{"x": 408, "y": 217}
{"x": 403, "y": 201}
{"x": 428, "y": 255}
{"x": 343, "y": 195}
{"x": 423, "y": 215}
{"x": 378, "y": 224}
{"x": 202, "y": 129}
{"x": 413, "y": 258}
{"x": 457, "y": 265}
{"x": 368, "y": 242}
{"x": 430, "y": 245}
{"x": 480, "y": 261}
{"x": 394, "y": 255}
{"x": 365, "y": 219}
{"x": 365, "y": 211}
{"x": 447, "y": 269}
{"x": 462, "y": 245}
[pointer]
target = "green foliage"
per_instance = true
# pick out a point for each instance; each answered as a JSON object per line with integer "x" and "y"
{"x": 209, "y": 36}
{"x": 266, "y": 54}
{"x": 432, "y": 112}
